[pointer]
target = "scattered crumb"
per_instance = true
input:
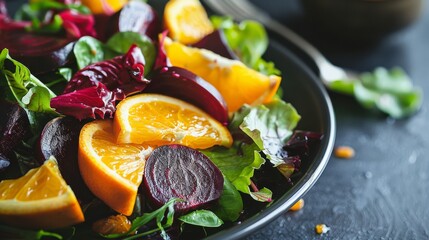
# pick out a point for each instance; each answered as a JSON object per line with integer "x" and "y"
{"x": 322, "y": 228}
{"x": 344, "y": 152}
{"x": 298, "y": 205}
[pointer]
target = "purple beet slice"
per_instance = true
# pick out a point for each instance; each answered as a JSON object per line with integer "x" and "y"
{"x": 14, "y": 126}
{"x": 60, "y": 138}
{"x": 135, "y": 16}
{"x": 177, "y": 171}
{"x": 183, "y": 84}
{"x": 40, "y": 53}
{"x": 216, "y": 42}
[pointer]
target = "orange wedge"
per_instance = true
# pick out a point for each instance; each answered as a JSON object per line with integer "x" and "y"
{"x": 104, "y": 6}
{"x": 158, "y": 120}
{"x": 113, "y": 172}
{"x": 39, "y": 199}
{"x": 186, "y": 21}
{"x": 237, "y": 83}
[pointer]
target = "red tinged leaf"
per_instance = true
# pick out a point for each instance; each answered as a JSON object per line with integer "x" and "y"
{"x": 125, "y": 73}
{"x": 92, "y": 102}
{"x": 77, "y": 25}
{"x": 176, "y": 171}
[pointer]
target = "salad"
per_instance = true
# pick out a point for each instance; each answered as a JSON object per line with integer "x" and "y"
{"x": 119, "y": 121}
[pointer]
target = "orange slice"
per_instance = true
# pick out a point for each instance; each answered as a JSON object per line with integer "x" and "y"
{"x": 237, "y": 83}
{"x": 158, "y": 120}
{"x": 104, "y": 6}
{"x": 186, "y": 21}
{"x": 39, "y": 199}
{"x": 113, "y": 172}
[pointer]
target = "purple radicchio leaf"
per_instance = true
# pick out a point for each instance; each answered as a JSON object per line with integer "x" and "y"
{"x": 92, "y": 102}
{"x": 125, "y": 73}
{"x": 297, "y": 147}
{"x": 77, "y": 25}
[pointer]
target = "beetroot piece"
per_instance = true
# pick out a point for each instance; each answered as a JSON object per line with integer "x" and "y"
{"x": 60, "y": 138}
{"x": 176, "y": 171}
{"x": 216, "y": 42}
{"x": 183, "y": 84}
{"x": 135, "y": 16}
{"x": 123, "y": 72}
{"x": 91, "y": 102}
{"x": 14, "y": 126}
{"x": 40, "y": 53}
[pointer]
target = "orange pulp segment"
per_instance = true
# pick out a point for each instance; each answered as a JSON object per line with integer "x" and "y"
{"x": 156, "y": 120}
{"x": 186, "y": 21}
{"x": 113, "y": 172}
{"x": 104, "y": 6}
{"x": 39, "y": 199}
{"x": 237, "y": 83}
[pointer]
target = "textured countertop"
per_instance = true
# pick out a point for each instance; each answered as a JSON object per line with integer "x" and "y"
{"x": 382, "y": 192}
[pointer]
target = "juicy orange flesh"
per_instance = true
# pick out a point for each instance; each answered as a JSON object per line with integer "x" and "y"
{"x": 35, "y": 185}
{"x": 187, "y": 21}
{"x": 127, "y": 160}
{"x": 163, "y": 123}
{"x": 237, "y": 83}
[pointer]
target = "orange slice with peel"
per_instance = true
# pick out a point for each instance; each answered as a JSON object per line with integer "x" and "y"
{"x": 186, "y": 21}
{"x": 39, "y": 199}
{"x": 237, "y": 83}
{"x": 156, "y": 120}
{"x": 113, "y": 172}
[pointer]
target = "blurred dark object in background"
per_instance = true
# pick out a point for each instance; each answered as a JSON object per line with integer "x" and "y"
{"x": 361, "y": 21}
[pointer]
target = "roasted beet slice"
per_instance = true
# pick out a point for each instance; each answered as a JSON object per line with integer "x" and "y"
{"x": 40, "y": 53}
{"x": 183, "y": 84}
{"x": 135, "y": 16}
{"x": 216, "y": 42}
{"x": 176, "y": 171}
{"x": 60, "y": 138}
{"x": 14, "y": 126}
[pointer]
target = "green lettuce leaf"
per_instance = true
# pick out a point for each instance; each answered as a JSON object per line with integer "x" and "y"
{"x": 269, "y": 126}
{"x": 28, "y": 91}
{"x": 248, "y": 39}
{"x": 389, "y": 91}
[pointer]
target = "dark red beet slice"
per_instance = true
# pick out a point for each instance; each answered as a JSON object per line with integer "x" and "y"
{"x": 14, "y": 126}
{"x": 40, "y": 53}
{"x": 176, "y": 171}
{"x": 216, "y": 42}
{"x": 60, "y": 138}
{"x": 183, "y": 84}
{"x": 135, "y": 16}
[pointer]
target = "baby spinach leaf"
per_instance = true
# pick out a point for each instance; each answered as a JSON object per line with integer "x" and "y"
{"x": 203, "y": 218}
{"x": 230, "y": 203}
{"x": 122, "y": 41}
{"x": 89, "y": 50}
